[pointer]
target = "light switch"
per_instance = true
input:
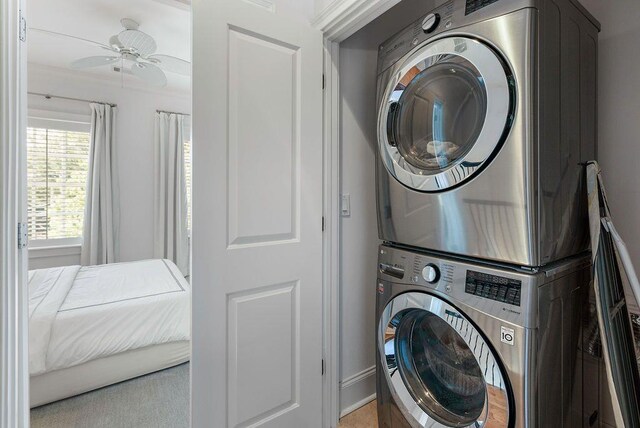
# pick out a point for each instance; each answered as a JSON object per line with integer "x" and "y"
{"x": 345, "y": 205}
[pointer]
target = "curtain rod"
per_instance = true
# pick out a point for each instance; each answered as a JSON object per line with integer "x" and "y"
{"x": 172, "y": 112}
{"x": 49, "y": 96}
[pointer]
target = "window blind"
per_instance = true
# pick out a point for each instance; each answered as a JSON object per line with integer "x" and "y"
{"x": 57, "y": 168}
{"x": 187, "y": 176}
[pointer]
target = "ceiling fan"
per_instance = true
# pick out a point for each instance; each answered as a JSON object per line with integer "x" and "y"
{"x": 135, "y": 47}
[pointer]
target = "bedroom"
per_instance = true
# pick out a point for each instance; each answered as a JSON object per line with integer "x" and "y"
{"x": 109, "y": 206}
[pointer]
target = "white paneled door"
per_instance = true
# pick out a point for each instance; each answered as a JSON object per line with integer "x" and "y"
{"x": 257, "y": 217}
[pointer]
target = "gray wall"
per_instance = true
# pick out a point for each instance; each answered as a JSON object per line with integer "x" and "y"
{"x": 619, "y": 113}
{"x": 358, "y": 63}
{"x": 619, "y": 130}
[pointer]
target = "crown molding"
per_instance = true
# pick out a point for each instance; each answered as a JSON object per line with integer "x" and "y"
{"x": 342, "y": 18}
{"x": 178, "y": 4}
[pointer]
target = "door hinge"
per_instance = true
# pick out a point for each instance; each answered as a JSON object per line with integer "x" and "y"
{"x": 23, "y": 27}
{"x": 323, "y": 81}
{"x": 323, "y": 367}
{"x": 323, "y": 224}
{"x": 23, "y": 236}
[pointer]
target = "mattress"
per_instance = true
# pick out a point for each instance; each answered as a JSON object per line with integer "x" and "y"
{"x": 82, "y": 314}
{"x": 59, "y": 384}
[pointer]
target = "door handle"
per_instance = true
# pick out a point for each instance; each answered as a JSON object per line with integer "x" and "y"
{"x": 391, "y": 118}
{"x": 395, "y": 271}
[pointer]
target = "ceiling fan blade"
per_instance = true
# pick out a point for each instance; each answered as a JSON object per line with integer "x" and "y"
{"x": 129, "y": 24}
{"x": 149, "y": 73}
{"x": 93, "y": 61}
{"x": 138, "y": 41}
{"x": 115, "y": 43}
{"x": 172, "y": 64}
{"x": 80, "y": 39}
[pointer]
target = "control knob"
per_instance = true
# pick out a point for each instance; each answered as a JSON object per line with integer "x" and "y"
{"x": 431, "y": 273}
{"x": 430, "y": 22}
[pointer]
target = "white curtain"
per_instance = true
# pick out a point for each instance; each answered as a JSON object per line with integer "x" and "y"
{"x": 171, "y": 239}
{"x": 102, "y": 211}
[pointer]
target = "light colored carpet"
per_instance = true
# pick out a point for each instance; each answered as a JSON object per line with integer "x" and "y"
{"x": 157, "y": 400}
{"x": 364, "y": 417}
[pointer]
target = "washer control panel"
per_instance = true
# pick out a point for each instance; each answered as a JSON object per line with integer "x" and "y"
{"x": 501, "y": 289}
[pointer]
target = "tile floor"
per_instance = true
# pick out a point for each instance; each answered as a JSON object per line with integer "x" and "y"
{"x": 364, "y": 417}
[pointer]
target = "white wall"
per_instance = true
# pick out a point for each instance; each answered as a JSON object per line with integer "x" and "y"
{"x": 619, "y": 113}
{"x": 135, "y": 127}
{"x": 358, "y": 65}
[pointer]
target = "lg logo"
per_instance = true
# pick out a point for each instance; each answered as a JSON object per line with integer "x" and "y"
{"x": 507, "y": 335}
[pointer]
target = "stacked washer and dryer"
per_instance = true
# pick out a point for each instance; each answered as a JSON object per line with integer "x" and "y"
{"x": 486, "y": 116}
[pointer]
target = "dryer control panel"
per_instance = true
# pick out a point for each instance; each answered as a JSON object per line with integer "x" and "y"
{"x": 422, "y": 29}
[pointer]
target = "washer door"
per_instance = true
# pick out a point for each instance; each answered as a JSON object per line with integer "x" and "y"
{"x": 440, "y": 370}
{"x": 444, "y": 113}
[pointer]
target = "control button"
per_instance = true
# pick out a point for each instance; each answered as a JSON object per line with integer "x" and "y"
{"x": 430, "y": 22}
{"x": 430, "y": 273}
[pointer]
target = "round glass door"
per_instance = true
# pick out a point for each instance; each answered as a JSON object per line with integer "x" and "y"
{"x": 445, "y": 112}
{"x": 439, "y": 368}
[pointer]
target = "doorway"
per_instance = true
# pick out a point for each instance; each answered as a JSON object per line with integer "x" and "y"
{"x": 108, "y": 198}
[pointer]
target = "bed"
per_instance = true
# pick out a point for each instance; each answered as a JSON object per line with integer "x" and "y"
{"x": 93, "y": 326}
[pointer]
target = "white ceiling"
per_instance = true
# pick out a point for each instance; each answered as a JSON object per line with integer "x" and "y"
{"x": 167, "y": 21}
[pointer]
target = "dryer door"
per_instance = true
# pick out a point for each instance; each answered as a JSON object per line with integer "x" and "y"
{"x": 439, "y": 368}
{"x": 445, "y": 112}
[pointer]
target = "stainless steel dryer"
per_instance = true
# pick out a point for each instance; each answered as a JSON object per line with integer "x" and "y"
{"x": 463, "y": 344}
{"x": 486, "y": 110}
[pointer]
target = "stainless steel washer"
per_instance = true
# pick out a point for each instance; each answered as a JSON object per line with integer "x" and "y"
{"x": 463, "y": 344}
{"x": 482, "y": 130}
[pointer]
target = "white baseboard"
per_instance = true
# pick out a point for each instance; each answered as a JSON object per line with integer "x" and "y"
{"x": 357, "y": 390}
{"x": 357, "y": 405}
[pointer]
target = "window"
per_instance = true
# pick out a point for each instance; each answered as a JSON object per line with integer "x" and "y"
{"x": 57, "y": 168}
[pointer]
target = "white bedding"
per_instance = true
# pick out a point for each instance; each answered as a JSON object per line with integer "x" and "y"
{"x": 78, "y": 314}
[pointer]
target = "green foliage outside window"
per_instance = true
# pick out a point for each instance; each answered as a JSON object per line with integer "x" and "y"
{"x": 57, "y": 167}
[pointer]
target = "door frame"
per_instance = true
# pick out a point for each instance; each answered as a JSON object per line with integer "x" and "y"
{"x": 14, "y": 380}
{"x": 339, "y": 20}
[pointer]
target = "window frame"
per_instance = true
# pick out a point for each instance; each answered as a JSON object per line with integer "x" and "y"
{"x": 62, "y": 121}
